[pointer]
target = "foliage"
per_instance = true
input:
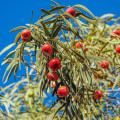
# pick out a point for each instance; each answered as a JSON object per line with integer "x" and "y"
{"x": 77, "y": 71}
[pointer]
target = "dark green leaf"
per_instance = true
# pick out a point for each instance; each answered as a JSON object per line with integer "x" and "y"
{"x": 57, "y": 31}
{"x": 59, "y": 109}
{"x": 45, "y": 29}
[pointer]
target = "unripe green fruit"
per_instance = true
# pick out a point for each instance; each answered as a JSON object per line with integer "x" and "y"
{"x": 30, "y": 93}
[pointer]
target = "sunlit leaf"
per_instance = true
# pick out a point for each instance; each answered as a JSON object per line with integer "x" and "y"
{"x": 7, "y": 48}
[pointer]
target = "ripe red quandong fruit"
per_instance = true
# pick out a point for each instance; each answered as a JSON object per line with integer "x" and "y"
{"x": 53, "y": 76}
{"x": 80, "y": 44}
{"x": 71, "y": 11}
{"x": 54, "y": 64}
{"x": 25, "y": 35}
{"x": 117, "y": 32}
{"x": 98, "y": 95}
{"x": 104, "y": 64}
{"x": 98, "y": 74}
{"x": 62, "y": 91}
{"x": 47, "y": 48}
{"x": 118, "y": 49}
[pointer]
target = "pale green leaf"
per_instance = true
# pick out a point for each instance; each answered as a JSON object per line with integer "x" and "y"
{"x": 7, "y": 48}
{"x": 17, "y": 38}
{"x": 9, "y": 66}
{"x": 116, "y": 81}
{"x": 85, "y": 9}
{"x": 18, "y": 28}
{"x": 10, "y": 73}
{"x": 107, "y": 15}
{"x": 10, "y": 54}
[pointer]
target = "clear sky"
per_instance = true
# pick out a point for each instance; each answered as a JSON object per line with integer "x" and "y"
{"x": 15, "y": 13}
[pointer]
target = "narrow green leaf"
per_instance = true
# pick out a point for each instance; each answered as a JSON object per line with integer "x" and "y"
{"x": 118, "y": 19}
{"x": 18, "y": 28}
{"x": 45, "y": 18}
{"x": 57, "y": 8}
{"x": 69, "y": 25}
{"x": 10, "y": 73}
{"x": 116, "y": 81}
{"x": 15, "y": 71}
{"x": 107, "y": 16}
{"x": 9, "y": 66}
{"x": 45, "y": 11}
{"x": 88, "y": 19}
{"x": 97, "y": 58}
{"x": 57, "y": 31}
{"x": 7, "y": 48}
{"x": 59, "y": 109}
{"x": 45, "y": 29}
{"x": 6, "y": 61}
{"x": 17, "y": 38}
{"x": 10, "y": 54}
{"x": 85, "y": 9}
{"x": 7, "y": 87}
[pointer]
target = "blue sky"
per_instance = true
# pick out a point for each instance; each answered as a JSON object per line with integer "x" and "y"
{"x": 18, "y": 12}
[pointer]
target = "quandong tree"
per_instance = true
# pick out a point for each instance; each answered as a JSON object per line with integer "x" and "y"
{"x": 71, "y": 55}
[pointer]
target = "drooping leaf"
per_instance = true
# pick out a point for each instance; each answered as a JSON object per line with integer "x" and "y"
{"x": 107, "y": 16}
{"x": 9, "y": 66}
{"x": 45, "y": 18}
{"x": 10, "y": 54}
{"x": 7, "y": 48}
{"x": 45, "y": 29}
{"x": 85, "y": 9}
{"x": 10, "y": 73}
{"x": 116, "y": 82}
{"x": 18, "y": 28}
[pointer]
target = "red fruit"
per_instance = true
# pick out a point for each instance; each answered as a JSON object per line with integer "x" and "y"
{"x": 63, "y": 91}
{"x": 53, "y": 84}
{"x": 104, "y": 64}
{"x": 80, "y": 44}
{"x": 25, "y": 40}
{"x": 47, "y": 48}
{"x": 71, "y": 11}
{"x": 53, "y": 76}
{"x": 117, "y": 32}
{"x": 98, "y": 95}
{"x": 26, "y": 34}
{"x": 118, "y": 49}
{"x": 86, "y": 49}
{"x": 55, "y": 64}
{"x": 96, "y": 76}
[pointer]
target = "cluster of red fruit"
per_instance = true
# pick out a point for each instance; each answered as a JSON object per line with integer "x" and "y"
{"x": 54, "y": 65}
{"x": 116, "y": 32}
{"x": 81, "y": 45}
